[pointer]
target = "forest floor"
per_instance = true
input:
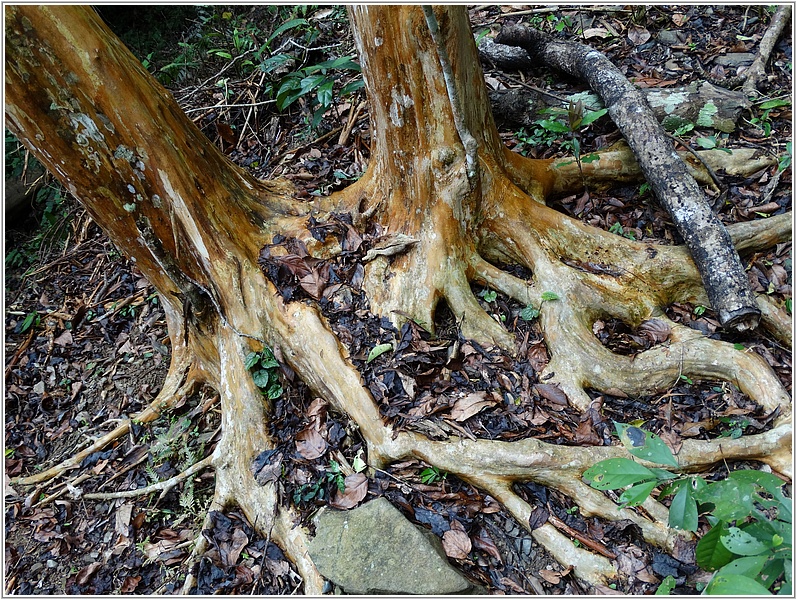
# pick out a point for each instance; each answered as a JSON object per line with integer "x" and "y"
{"x": 86, "y": 343}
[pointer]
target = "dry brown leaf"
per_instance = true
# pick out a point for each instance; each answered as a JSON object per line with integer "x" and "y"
{"x": 655, "y": 330}
{"x": 552, "y": 393}
{"x": 457, "y": 544}
{"x": 310, "y": 444}
{"x": 466, "y": 407}
{"x": 537, "y": 356}
{"x": 538, "y": 517}
{"x": 550, "y": 576}
{"x": 129, "y": 584}
{"x": 484, "y": 541}
{"x": 87, "y": 573}
{"x": 638, "y": 35}
{"x": 356, "y": 487}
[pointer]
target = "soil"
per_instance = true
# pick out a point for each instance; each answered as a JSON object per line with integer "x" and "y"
{"x": 86, "y": 345}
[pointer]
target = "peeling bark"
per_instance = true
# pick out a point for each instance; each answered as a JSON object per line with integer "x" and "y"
{"x": 195, "y": 224}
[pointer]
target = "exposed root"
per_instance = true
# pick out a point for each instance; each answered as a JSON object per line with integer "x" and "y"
{"x": 494, "y": 466}
{"x": 162, "y": 486}
{"x": 179, "y": 384}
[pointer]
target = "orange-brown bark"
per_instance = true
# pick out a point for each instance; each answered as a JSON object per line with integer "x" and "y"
{"x": 195, "y": 223}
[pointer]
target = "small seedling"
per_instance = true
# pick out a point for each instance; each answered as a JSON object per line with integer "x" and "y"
{"x": 432, "y": 475}
{"x": 265, "y": 372}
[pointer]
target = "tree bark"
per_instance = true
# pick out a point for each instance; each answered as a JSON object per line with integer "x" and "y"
{"x": 195, "y": 224}
{"x": 705, "y": 236}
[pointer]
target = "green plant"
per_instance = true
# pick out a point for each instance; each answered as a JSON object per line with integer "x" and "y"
{"x": 317, "y": 489}
{"x": 784, "y": 162}
{"x": 319, "y": 78}
{"x": 32, "y": 319}
{"x": 749, "y": 544}
{"x": 617, "y": 228}
{"x": 763, "y": 121}
{"x": 431, "y": 475}
{"x": 265, "y": 372}
{"x": 530, "y": 313}
{"x": 489, "y": 295}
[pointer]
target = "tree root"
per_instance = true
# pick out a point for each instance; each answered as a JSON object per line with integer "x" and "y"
{"x": 162, "y": 486}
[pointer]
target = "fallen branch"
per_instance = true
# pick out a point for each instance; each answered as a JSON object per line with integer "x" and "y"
{"x": 709, "y": 243}
{"x": 161, "y": 486}
{"x": 755, "y": 73}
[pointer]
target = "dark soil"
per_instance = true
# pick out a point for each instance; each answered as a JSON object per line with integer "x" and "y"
{"x": 86, "y": 345}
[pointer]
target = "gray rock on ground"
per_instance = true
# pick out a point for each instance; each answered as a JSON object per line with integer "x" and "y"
{"x": 374, "y": 549}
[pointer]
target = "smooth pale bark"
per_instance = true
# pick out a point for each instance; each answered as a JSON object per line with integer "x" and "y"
{"x": 195, "y": 223}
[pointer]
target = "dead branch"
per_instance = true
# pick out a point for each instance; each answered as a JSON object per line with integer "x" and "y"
{"x": 708, "y": 242}
{"x": 756, "y": 73}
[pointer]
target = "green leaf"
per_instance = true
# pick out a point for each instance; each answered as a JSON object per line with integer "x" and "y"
{"x": 324, "y": 93}
{"x": 590, "y": 158}
{"x": 710, "y": 553}
{"x": 285, "y": 27}
{"x": 742, "y": 543}
{"x": 734, "y": 585}
{"x": 666, "y": 586}
{"x": 645, "y": 445}
{"x": 707, "y": 142}
{"x": 593, "y": 116}
{"x": 251, "y": 360}
{"x": 683, "y": 510}
{"x": 261, "y": 377}
{"x": 358, "y": 464}
{"x": 378, "y": 350}
{"x": 773, "y": 104}
{"x": 546, "y": 296}
{"x": 615, "y": 473}
{"x": 555, "y": 126}
{"x": 529, "y": 313}
{"x": 489, "y": 295}
{"x": 274, "y": 391}
{"x": 732, "y": 499}
{"x": 749, "y": 566}
{"x": 705, "y": 117}
{"x": 636, "y": 494}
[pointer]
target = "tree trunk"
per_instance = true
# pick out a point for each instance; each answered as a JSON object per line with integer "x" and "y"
{"x": 195, "y": 224}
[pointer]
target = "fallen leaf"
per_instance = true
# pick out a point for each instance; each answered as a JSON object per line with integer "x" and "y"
{"x": 64, "y": 339}
{"x": 355, "y": 488}
{"x": 87, "y": 573}
{"x": 550, "y": 576}
{"x": 585, "y": 434}
{"x": 123, "y": 514}
{"x": 466, "y": 407}
{"x": 552, "y": 393}
{"x": 484, "y": 541}
{"x": 310, "y": 444}
{"x": 655, "y": 330}
{"x": 129, "y": 584}
{"x": 598, "y": 32}
{"x": 457, "y": 544}
{"x": 538, "y": 517}
{"x": 638, "y": 35}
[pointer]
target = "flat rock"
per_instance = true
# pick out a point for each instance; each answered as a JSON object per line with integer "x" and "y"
{"x": 374, "y": 549}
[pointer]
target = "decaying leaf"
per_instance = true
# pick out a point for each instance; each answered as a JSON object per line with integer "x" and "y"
{"x": 538, "y": 517}
{"x": 655, "y": 330}
{"x": 466, "y": 407}
{"x": 552, "y": 393}
{"x": 456, "y": 544}
{"x": 355, "y": 488}
{"x": 310, "y": 444}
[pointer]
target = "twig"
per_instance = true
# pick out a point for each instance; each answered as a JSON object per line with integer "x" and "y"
{"x": 468, "y": 141}
{"x": 590, "y": 543}
{"x": 204, "y": 83}
{"x": 243, "y": 105}
{"x": 354, "y": 114}
{"x": 756, "y": 71}
{"x": 161, "y": 486}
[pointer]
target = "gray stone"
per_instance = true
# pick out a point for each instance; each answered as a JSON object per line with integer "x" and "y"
{"x": 735, "y": 59}
{"x": 373, "y": 549}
